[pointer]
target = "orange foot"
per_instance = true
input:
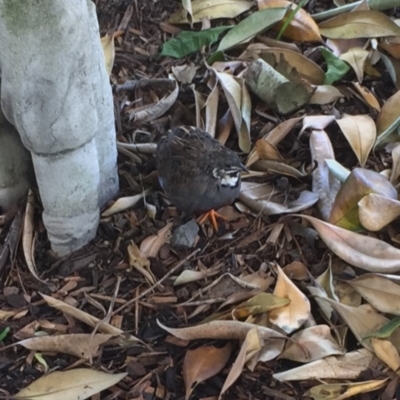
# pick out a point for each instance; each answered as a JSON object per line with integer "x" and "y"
{"x": 212, "y": 215}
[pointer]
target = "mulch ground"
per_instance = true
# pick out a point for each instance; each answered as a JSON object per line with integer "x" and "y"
{"x": 97, "y": 271}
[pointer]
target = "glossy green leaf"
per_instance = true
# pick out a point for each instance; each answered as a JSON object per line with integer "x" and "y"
{"x": 336, "y": 68}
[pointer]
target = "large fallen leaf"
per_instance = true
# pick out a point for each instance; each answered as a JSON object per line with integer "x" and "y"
{"x": 251, "y": 26}
{"x": 360, "y": 132}
{"x": 376, "y": 211}
{"x": 79, "y": 383}
{"x": 359, "y": 250}
{"x": 215, "y": 9}
{"x": 387, "y": 353}
{"x": 292, "y": 316}
{"x": 325, "y": 94}
{"x": 301, "y": 28}
{"x": 389, "y": 118}
{"x": 379, "y": 291}
{"x": 311, "y": 344}
{"x": 203, "y": 363}
{"x": 222, "y": 330}
{"x": 349, "y": 366}
{"x": 359, "y": 24}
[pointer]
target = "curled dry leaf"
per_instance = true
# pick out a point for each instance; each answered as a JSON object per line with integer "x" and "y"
{"x": 123, "y": 203}
{"x": 203, "y": 363}
{"x": 359, "y": 24}
{"x": 324, "y": 184}
{"x": 366, "y": 94}
{"x": 360, "y": 132}
{"x": 139, "y": 262}
{"x": 107, "y": 43}
{"x": 376, "y": 211}
{"x": 349, "y": 366}
{"x": 318, "y": 122}
{"x": 79, "y": 383}
{"x": 266, "y": 199}
{"x": 297, "y": 312}
{"x": 359, "y": 183}
{"x": 395, "y": 173}
{"x": 311, "y": 344}
{"x": 359, "y": 250}
{"x": 387, "y": 353}
{"x": 301, "y": 28}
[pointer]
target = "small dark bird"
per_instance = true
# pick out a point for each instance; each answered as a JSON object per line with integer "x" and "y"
{"x": 197, "y": 173}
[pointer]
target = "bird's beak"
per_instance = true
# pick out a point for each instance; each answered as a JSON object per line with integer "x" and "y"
{"x": 243, "y": 168}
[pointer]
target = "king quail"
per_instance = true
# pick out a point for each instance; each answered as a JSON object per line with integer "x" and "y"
{"x": 197, "y": 173}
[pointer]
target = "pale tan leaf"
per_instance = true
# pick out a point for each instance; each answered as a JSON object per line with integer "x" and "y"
{"x": 376, "y": 211}
{"x": 152, "y": 244}
{"x": 107, "y": 43}
{"x": 359, "y": 24}
{"x": 140, "y": 263}
{"x": 366, "y": 94}
{"x": 360, "y": 132}
{"x": 325, "y": 94}
{"x": 349, "y": 366}
{"x": 216, "y": 9}
{"x": 379, "y": 291}
{"x": 79, "y": 383}
{"x": 386, "y": 352}
{"x": 318, "y": 122}
{"x": 222, "y": 330}
{"x": 123, "y": 203}
{"x": 267, "y": 151}
{"x": 81, "y": 345}
{"x": 292, "y": 316}
{"x": 250, "y": 346}
{"x": 357, "y": 58}
{"x": 359, "y": 250}
{"x": 389, "y": 118}
{"x": 395, "y": 173}
{"x": 203, "y": 363}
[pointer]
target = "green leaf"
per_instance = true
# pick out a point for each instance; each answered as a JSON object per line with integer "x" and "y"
{"x": 4, "y": 333}
{"x": 188, "y": 42}
{"x": 251, "y": 26}
{"x": 337, "y": 68}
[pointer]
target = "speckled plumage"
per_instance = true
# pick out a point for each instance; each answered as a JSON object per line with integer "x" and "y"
{"x": 196, "y": 172}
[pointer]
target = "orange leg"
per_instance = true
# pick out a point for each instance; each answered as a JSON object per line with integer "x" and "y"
{"x": 212, "y": 215}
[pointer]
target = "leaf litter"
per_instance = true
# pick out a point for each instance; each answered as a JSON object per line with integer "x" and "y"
{"x": 298, "y": 286}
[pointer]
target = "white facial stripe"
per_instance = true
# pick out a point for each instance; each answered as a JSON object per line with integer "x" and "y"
{"x": 228, "y": 180}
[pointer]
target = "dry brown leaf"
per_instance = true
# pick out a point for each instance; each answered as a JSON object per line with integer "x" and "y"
{"x": 360, "y": 132}
{"x": 376, "y": 211}
{"x": 250, "y": 347}
{"x": 123, "y": 203}
{"x": 356, "y": 58}
{"x": 389, "y": 119}
{"x": 359, "y": 24}
{"x": 152, "y": 244}
{"x": 349, "y": 366}
{"x": 203, "y": 363}
{"x": 78, "y": 383}
{"x": 302, "y": 27}
{"x": 81, "y": 345}
{"x": 216, "y": 9}
{"x": 380, "y": 292}
{"x": 359, "y": 250}
{"x": 311, "y": 344}
{"x": 387, "y": 353}
{"x": 295, "y": 314}
{"x": 317, "y": 122}
{"x": 267, "y": 151}
{"x": 325, "y": 94}
{"x": 366, "y": 94}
